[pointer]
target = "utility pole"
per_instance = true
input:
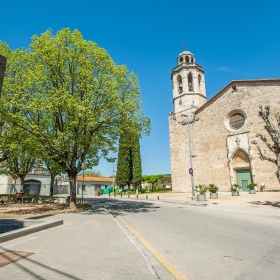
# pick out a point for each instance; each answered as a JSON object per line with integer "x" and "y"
{"x": 190, "y": 149}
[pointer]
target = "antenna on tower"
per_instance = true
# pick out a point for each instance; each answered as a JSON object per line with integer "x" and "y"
{"x": 184, "y": 46}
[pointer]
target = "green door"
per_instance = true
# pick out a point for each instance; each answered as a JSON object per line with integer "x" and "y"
{"x": 243, "y": 178}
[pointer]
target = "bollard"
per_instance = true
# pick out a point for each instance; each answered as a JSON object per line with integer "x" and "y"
{"x": 146, "y": 197}
{"x": 128, "y": 196}
{"x": 109, "y": 194}
{"x": 114, "y": 195}
{"x": 121, "y": 194}
{"x": 158, "y": 198}
{"x": 137, "y": 196}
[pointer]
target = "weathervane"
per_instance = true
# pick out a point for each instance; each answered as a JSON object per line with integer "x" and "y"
{"x": 184, "y": 46}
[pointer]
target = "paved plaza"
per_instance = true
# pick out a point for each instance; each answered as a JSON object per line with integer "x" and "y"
{"x": 96, "y": 245}
{"x": 86, "y": 246}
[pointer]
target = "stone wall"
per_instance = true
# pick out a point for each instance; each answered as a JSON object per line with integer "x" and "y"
{"x": 214, "y": 143}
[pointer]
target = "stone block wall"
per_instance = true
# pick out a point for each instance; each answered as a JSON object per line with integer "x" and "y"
{"x": 214, "y": 143}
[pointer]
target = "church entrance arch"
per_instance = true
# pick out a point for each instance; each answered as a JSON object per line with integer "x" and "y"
{"x": 242, "y": 169}
{"x": 32, "y": 186}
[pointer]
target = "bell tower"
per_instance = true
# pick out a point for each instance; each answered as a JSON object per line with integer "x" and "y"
{"x": 188, "y": 83}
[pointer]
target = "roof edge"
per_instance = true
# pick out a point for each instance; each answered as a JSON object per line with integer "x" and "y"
{"x": 219, "y": 93}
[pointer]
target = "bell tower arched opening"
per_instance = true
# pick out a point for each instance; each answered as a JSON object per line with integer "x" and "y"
{"x": 242, "y": 169}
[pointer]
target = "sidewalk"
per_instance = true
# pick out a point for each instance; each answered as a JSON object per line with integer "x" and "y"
{"x": 86, "y": 246}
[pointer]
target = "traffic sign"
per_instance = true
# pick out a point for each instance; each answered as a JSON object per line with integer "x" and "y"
{"x": 191, "y": 171}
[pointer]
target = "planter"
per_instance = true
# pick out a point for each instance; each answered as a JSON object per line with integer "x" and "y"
{"x": 235, "y": 193}
{"x": 201, "y": 197}
{"x": 96, "y": 193}
{"x": 252, "y": 191}
{"x": 214, "y": 195}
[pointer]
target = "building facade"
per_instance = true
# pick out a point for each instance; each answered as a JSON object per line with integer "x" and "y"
{"x": 223, "y": 130}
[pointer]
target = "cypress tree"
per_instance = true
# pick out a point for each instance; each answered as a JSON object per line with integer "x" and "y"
{"x": 136, "y": 163}
{"x": 124, "y": 161}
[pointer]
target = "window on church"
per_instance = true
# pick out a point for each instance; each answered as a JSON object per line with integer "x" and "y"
{"x": 199, "y": 80}
{"x": 190, "y": 82}
{"x": 181, "y": 59}
{"x": 180, "y": 84}
{"x": 236, "y": 121}
{"x": 192, "y": 60}
{"x": 187, "y": 59}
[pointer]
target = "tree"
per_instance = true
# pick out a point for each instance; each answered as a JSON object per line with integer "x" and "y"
{"x": 69, "y": 95}
{"x": 94, "y": 173}
{"x": 165, "y": 180}
{"x": 151, "y": 179}
{"x": 124, "y": 165}
{"x": 136, "y": 163}
{"x": 274, "y": 134}
{"x": 20, "y": 161}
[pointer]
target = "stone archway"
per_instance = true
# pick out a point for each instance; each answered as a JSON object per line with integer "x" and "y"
{"x": 242, "y": 168}
{"x": 32, "y": 186}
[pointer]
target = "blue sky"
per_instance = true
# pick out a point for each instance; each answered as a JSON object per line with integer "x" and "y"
{"x": 230, "y": 39}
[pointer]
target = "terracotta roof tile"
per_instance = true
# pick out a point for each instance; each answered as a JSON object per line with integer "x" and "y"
{"x": 95, "y": 179}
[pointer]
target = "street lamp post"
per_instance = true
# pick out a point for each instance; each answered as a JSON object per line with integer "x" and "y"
{"x": 190, "y": 148}
{"x": 114, "y": 177}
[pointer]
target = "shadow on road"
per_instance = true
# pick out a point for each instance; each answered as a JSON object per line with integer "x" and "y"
{"x": 268, "y": 203}
{"x": 118, "y": 207}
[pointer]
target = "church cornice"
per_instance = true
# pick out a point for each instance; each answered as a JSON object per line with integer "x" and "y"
{"x": 183, "y": 94}
{"x": 232, "y": 83}
{"x": 187, "y": 66}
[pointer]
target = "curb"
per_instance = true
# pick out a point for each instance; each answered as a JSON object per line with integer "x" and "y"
{"x": 42, "y": 225}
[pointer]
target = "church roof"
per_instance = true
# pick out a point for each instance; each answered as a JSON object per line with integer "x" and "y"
{"x": 233, "y": 82}
{"x": 185, "y": 52}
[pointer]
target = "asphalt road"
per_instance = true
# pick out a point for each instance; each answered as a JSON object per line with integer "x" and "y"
{"x": 207, "y": 242}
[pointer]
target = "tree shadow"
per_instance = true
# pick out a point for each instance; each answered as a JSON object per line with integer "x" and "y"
{"x": 33, "y": 273}
{"x": 275, "y": 204}
{"x": 118, "y": 207}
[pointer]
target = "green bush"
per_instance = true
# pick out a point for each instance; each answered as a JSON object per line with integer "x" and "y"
{"x": 201, "y": 189}
{"x": 235, "y": 187}
{"x": 251, "y": 186}
{"x": 212, "y": 188}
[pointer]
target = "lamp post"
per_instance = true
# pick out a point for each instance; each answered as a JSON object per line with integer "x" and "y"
{"x": 190, "y": 149}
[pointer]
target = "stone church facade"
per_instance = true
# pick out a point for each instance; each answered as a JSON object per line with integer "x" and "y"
{"x": 222, "y": 130}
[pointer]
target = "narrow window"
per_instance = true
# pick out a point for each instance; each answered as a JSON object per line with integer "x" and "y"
{"x": 180, "y": 84}
{"x": 191, "y": 59}
{"x": 187, "y": 59}
{"x": 190, "y": 81}
{"x": 199, "y": 80}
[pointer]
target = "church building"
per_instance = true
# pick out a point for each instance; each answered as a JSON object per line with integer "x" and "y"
{"x": 222, "y": 130}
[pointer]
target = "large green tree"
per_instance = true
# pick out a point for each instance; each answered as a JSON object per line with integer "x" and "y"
{"x": 69, "y": 95}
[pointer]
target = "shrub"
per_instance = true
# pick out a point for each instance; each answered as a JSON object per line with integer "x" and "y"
{"x": 251, "y": 186}
{"x": 235, "y": 187}
{"x": 212, "y": 188}
{"x": 202, "y": 189}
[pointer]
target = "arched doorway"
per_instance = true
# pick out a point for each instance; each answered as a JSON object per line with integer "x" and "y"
{"x": 242, "y": 169}
{"x": 32, "y": 186}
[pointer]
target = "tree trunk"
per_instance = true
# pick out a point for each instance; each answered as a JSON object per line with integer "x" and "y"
{"x": 52, "y": 183}
{"x": 72, "y": 182}
{"x": 21, "y": 182}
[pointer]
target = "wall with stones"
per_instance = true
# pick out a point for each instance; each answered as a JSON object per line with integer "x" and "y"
{"x": 214, "y": 143}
